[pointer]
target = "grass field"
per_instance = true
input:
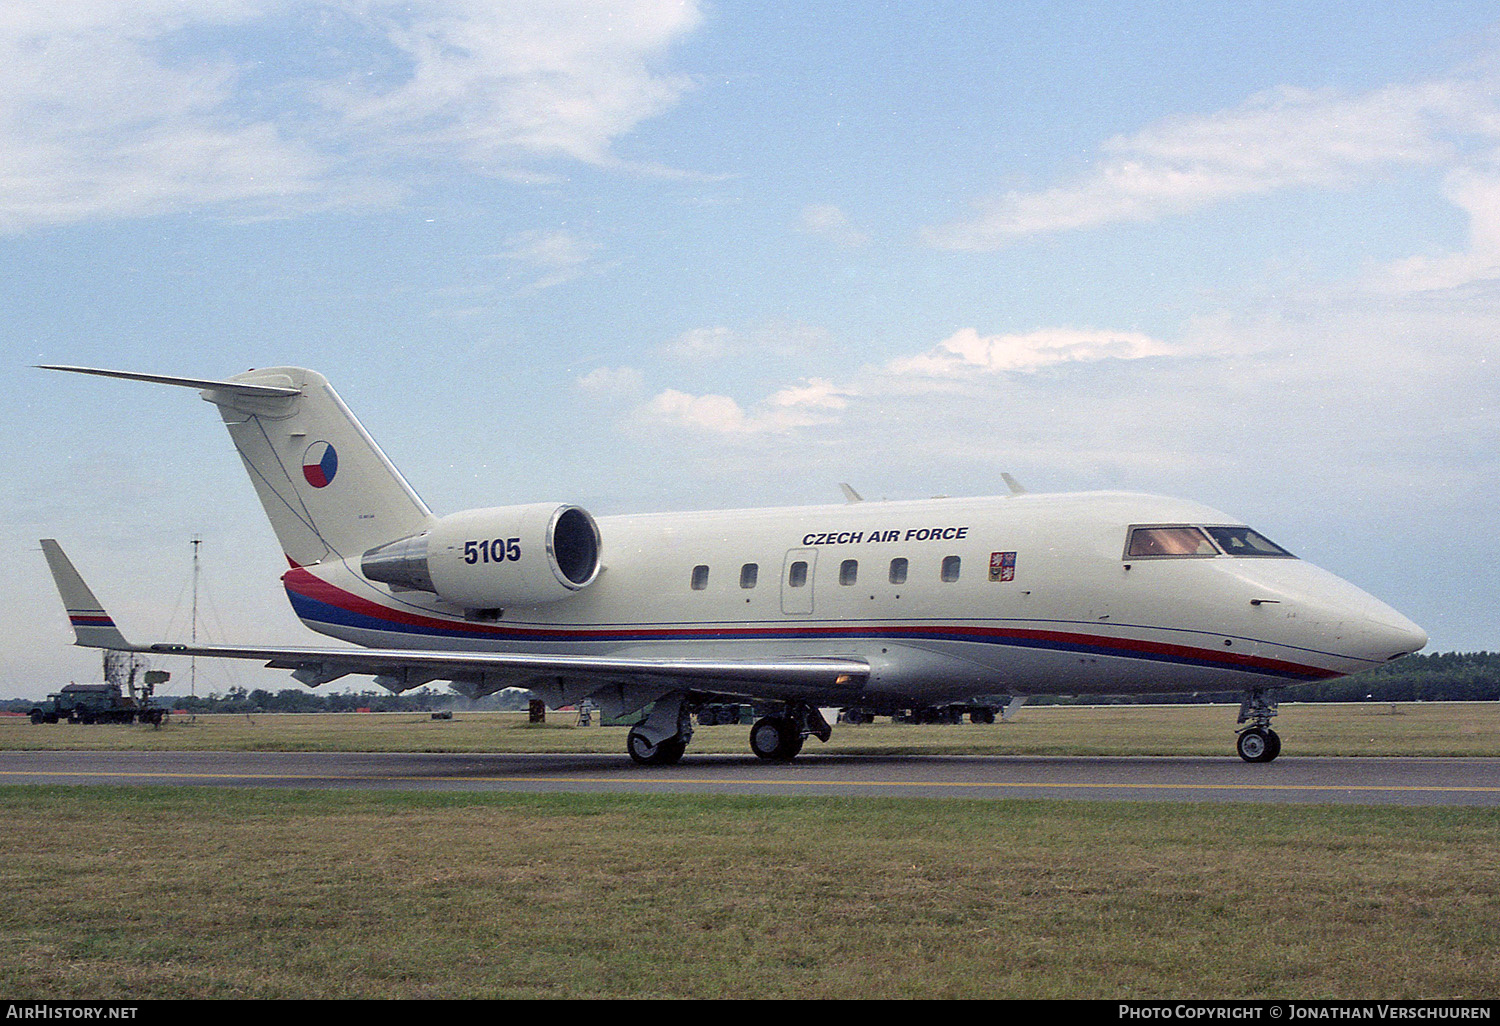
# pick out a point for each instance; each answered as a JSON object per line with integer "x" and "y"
{"x": 137, "y": 893}
{"x": 1432, "y": 729}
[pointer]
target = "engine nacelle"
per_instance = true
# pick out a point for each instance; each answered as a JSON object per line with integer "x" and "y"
{"x": 509, "y": 556}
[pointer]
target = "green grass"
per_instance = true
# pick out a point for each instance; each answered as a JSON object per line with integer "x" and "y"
{"x": 1429, "y": 729}
{"x": 137, "y": 893}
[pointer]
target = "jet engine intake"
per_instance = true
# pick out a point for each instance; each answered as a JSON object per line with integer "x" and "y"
{"x": 508, "y": 556}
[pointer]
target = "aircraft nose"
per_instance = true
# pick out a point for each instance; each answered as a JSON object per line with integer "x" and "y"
{"x": 1400, "y": 638}
{"x": 1382, "y": 638}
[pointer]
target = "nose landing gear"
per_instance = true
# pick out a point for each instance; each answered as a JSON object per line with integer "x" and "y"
{"x": 1258, "y": 742}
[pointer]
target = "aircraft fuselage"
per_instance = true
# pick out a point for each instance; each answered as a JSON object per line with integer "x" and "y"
{"x": 944, "y": 598}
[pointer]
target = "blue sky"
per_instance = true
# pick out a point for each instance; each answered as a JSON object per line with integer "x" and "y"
{"x": 652, "y": 255}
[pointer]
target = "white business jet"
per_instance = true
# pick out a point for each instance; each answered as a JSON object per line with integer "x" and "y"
{"x": 880, "y": 606}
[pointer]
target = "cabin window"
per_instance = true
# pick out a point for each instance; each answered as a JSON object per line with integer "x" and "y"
{"x": 951, "y": 565}
{"x": 748, "y": 575}
{"x": 1241, "y": 541}
{"x": 848, "y": 572}
{"x": 1154, "y": 542}
{"x": 898, "y": 571}
{"x": 700, "y": 577}
{"x": 796, "y": 576}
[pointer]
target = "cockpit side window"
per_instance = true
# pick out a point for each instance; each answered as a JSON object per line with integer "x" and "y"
{"x": 1241, "y": 541}
{"x": 1162, "y": 542}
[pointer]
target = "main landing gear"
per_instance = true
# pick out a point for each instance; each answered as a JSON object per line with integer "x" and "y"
{"x": 779, "y": 738}
{"x": 663, "y": 753}
{"x": 662, "y": 737}
{"x": 1258, "y": 742}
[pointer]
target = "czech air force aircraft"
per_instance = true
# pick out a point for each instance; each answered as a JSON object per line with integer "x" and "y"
{"x": 883, "y": 606}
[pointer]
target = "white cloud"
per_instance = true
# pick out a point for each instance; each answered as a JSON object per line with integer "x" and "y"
{"x": 1478, "y": 195}
{"x": 832, "y": 223}
{"x": 966, "y": 352}
{"x": 702, "y": 345}
{"x": 92, "y": 125}
{"x": 556, "y": 256}
{"x": 803, "y": 405}
{"x": 613, "y": 382}
{"x": 548, "y": 77}
{"x": 1280, "y": 139}
{"x": 112, "y": 109}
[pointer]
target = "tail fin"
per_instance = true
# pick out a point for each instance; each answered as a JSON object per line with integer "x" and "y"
{"x": 92, "y": 626}
{"x": 327, "y": 488}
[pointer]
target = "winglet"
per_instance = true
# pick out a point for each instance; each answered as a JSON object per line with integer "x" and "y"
{"x": 92, "y": 626}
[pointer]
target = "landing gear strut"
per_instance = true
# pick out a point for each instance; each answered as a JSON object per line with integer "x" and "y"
{"x": 779, "y": 738}
{"x": 1258, "y": 742}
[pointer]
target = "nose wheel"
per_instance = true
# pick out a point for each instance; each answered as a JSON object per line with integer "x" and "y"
{"x": 1258, "y": 744}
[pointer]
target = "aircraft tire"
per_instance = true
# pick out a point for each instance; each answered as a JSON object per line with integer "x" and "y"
{"x": 667, "y": 753}
{"x": 1258, "y": 744}
{"x": 1273, "y": 741}
{"x": 775, "y": 739}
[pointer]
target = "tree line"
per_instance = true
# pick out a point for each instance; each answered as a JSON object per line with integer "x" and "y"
{"x": 1441, "y": 677}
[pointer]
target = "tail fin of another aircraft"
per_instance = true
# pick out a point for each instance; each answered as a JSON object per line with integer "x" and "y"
{"x": 327, "y": 488}
{"x": 92, "y": 626}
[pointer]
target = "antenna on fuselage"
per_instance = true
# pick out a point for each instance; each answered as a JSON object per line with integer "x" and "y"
{"x": 850, "y": 495}
{"x": 1016, "y": 488}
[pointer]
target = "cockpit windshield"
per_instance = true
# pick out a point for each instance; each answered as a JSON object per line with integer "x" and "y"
{"x": 1185, "y": 540}
{"x": 1241, "y": 541}
{"x": 1146, "y": 542}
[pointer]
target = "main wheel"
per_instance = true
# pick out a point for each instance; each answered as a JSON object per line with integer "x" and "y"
{"x": 666, "y": 753}
{"x": 1258, "y": 744}
{"x": 775, "y": 739}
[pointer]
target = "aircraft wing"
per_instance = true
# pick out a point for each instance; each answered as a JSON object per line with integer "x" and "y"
{"x": 474, "y": 672}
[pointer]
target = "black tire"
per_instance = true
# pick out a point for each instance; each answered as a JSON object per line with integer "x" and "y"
{"x": 708, "y": 717}
{"x": 982, "y": 716}
{"x": 37, "y": 716}
{"x": 775, "y": 739}
{"x": 642, "y": 751}
{"x": 1256, "y": 744}
{"x": 1273, "y": 740}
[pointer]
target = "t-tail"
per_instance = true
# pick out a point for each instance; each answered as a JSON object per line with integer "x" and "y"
{"x": 329, "y": 491}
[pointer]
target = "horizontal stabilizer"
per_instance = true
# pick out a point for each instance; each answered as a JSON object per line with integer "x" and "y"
{"x": 92, "y": 626}
{"x": 235, "y": 387}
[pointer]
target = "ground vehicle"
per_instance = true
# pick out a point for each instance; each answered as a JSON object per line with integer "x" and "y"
{"x": 96, "y": 703}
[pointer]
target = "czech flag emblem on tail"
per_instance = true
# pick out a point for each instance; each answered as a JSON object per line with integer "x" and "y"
{"x": 319, "y": 464}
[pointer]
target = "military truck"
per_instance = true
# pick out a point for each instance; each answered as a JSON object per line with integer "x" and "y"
{"x": 96, "y": 703}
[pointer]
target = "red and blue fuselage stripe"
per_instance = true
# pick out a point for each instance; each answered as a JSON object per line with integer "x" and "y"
{"x": 315, "y": 601}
